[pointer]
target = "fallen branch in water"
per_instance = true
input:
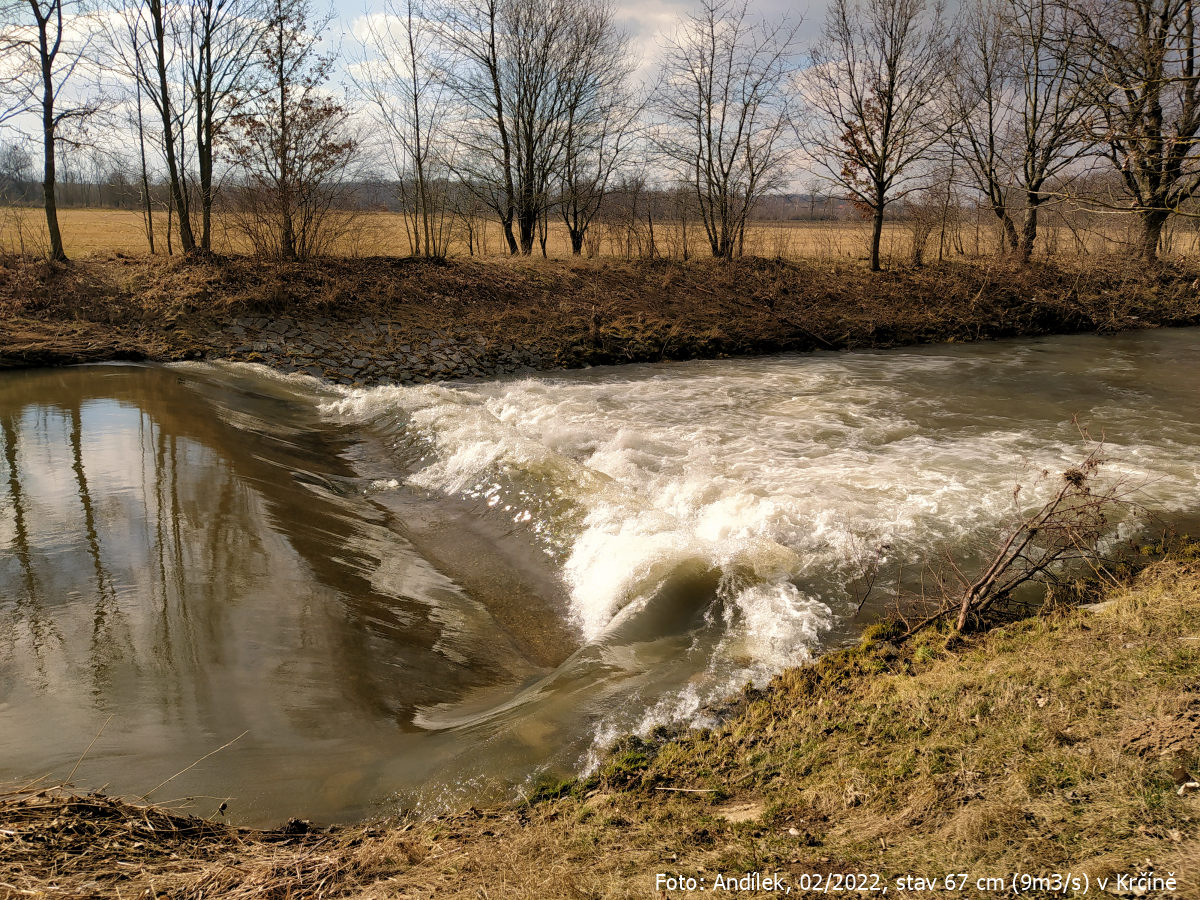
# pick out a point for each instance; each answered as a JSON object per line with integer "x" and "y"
{"x": 1065, "y": 531}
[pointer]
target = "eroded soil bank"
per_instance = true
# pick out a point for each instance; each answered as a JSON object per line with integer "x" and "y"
{"x": 406, "y": 321}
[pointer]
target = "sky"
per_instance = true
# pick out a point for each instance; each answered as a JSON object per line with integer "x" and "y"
{"x": 646, "y": 21}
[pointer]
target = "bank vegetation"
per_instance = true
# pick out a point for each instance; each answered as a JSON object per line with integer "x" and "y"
{"x": 558, "y": 313}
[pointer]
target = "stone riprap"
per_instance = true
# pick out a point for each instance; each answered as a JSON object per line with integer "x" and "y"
{"x": 368, "y": 351}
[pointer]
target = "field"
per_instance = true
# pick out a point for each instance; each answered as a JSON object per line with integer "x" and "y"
{"x": 91, "y": 232}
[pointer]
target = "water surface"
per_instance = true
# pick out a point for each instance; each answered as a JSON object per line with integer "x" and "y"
{"x": 426, "y": 595}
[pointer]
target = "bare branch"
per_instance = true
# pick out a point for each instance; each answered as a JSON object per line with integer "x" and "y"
{"x": 878, "y": 83}
{"x": 725, "y": 114}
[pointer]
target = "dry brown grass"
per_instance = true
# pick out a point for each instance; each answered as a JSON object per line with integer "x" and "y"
{"x": 88, "y": 232}
{"x": 565, "y": 313}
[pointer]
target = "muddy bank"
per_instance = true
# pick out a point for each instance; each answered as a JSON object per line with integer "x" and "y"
{"x": 407, "y": 321}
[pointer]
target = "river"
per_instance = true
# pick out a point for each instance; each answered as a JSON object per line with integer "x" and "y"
{"x": 426, "y": 597}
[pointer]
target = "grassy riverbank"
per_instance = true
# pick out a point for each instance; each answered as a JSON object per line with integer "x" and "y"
{"x": 1049, "y": 745}
{"x": 372, "y": 320}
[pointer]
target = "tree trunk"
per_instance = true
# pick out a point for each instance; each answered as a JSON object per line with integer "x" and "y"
{"x": 1153, "y": 221}
{"x": 1029, "y": 229}
{"x": 49, "y": 178}
{"x": 148, "y": 208}
{"x": 509, "y": 237}
{"x": 187, "y": 241}
{"x": 722, "y": 243}
{"x": 576, "y": 241}
{"x": 287, "y": 232}
{"x": 1010, "y": 242}
{"x": 56, "y": 242}
{"x": 527, "y": 227}
{"x": 204, "y": 160}
{"x": 206, "y": 198}
{"x": 876, "y": 236}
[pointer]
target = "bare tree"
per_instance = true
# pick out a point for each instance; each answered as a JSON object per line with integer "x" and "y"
{"x": 1024, "y": 111}
{"x": 516, "y": 72}
{"x": 399, "y": 77}
{"x": 982, "y": 86}
{"x": 44, "y": 59}
{"x": 195, "y": 63}
{"x": 877, "y": 78}
{"x": 151, "y": 55}
{"x": 725, "y": 114}
{"x": 469, "y": 218}
{"x": 1140, "y": 62}
{"x": 601, "y": 114}
{"x": 220, "y": 40}
{"x": 290, "y": 143}
{"x": 139, "y": 124}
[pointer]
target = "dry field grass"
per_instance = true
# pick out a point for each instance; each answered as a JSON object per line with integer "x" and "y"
{"x": 88, "y": 232}
{"x": 101, "y": 232}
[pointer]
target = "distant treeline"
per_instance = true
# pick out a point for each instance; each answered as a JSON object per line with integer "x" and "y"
{"x": 105, "y": 185}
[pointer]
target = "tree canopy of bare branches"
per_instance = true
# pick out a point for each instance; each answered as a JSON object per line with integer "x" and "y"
{"x": 726, "y": 113}
{"x": 145, "y": 46}
{"x": 220, "y": 39}
{"x": 1140, "y": 61}
{"x": 195, "y": 63}
{"x": 518, "y": 73}
{"x": 399, "y": 76}
{"x": 290, "y": 142}
{"x": 877, "y": 86}
{"x": 982, "y": 81}
{"x": 1024, "y": 111}
{"x": 601, "y": 123}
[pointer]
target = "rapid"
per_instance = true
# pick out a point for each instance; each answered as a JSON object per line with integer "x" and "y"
{"x": 432, "y": 596}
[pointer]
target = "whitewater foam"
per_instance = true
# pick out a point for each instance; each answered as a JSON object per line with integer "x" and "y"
{"x": 788, "y": 476}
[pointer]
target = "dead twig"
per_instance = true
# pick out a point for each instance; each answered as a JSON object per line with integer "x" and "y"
{"x": 1066, "y": 529}
{"x": 193, "y": 765}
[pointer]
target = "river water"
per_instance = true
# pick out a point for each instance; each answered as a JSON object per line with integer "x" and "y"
{"x": 428, "y": 596}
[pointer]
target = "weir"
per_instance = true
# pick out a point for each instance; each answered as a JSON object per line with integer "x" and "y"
{"x": 425, "y": 596}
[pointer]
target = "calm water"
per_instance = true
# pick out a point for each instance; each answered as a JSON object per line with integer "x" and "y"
{"x": 424, "y": 596}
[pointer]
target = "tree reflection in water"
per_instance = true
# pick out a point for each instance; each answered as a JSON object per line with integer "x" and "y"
{"x": 193, "y": 556}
